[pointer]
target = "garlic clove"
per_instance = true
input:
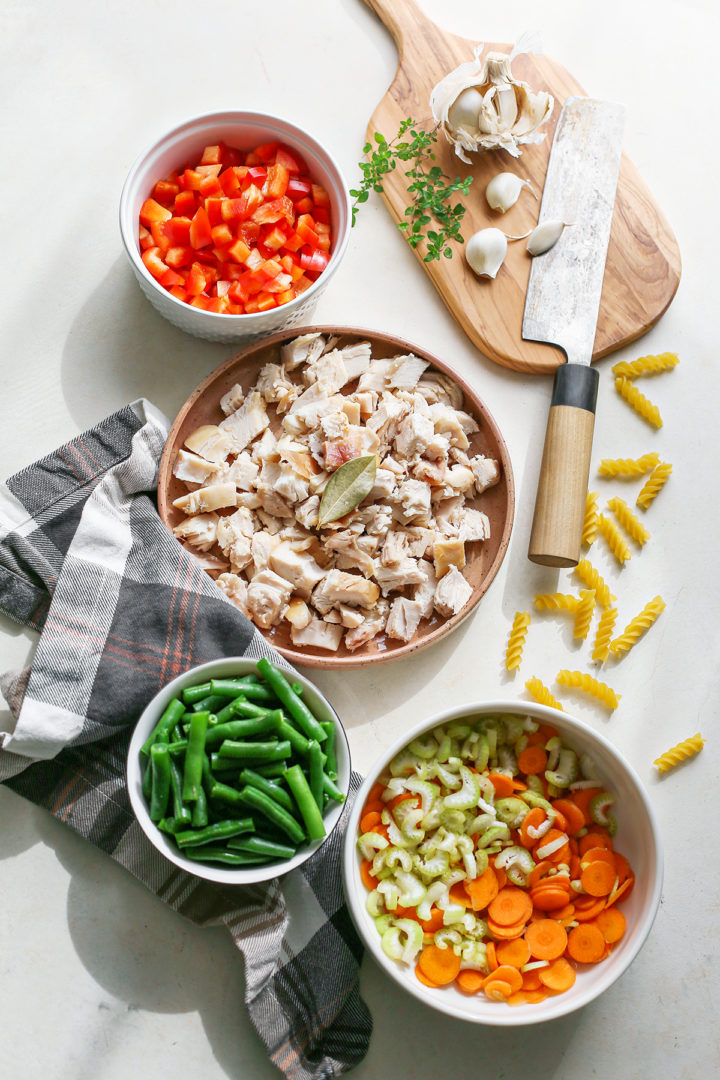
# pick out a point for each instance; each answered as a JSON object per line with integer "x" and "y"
{"x": 504, "y": 190}
{"x": 485, "y": 251}
{"x": 545, "y": 236}
{"x": 465, "y": 111}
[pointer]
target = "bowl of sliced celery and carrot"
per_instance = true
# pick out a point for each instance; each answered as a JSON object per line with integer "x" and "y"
{"x": 238, "y": 770}
{"x": 502, "y": 863}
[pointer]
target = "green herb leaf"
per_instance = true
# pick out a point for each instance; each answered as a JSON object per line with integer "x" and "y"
{"x": 346, "y": 488}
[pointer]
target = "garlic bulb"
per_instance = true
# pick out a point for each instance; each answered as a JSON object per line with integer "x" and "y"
{"x": 504, "y": 190}
{"x": 485, "y": 251}
{"x": 545, "y": 236}
{"x": 502, "y": 112}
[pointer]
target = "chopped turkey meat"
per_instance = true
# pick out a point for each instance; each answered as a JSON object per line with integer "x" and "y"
{"x": 447, "y": 553}
{"x": 297, "y": 567}
{"x": 372, "y": 625}
{"x": 235, "y": 588}
{"x": 385, "y": 484}
{"x": 275, "y": 387}
{"x": 262, "y": 546}
{"x": 231, "y": 402}
{"x": 307, "y": 512}
{"x": 414, "y": 435}
{"x": 212, "y": 564}
{"x": 356, "y": 358}
{"x": 375, "y": 376}
{"x": 266, "y": 448}
{"x": 297, "y": 613}
{"x": 473, "y": 525}
{"x": 243, "y": 472}
{"x": 208, "y": 498}
{"x": 403, "y": 573}
{"x": 404, "y": 618}
{"x": 413, "y": 498}
{"x": 486, "y": 470}
{"x": 446, "y": 422}
{"x": 302, "y": 350}
{"x": 406, "y": 371}
{"x": 328, "y": 372}
{"x": 339, "y": 587}
{"x": 424, "y": 595}
{"x": 318, "y": 634}
{"x": 199, "y": 530}
{"x": 209, "y": 442}
{"x": 452, "y": 593}
{"x": 460, "y": 479}
{"x": 194, "y": 469}
{"x": 267, "y": 597}
{"x": 344, "y": 545}
{"x": 246, "y": 423}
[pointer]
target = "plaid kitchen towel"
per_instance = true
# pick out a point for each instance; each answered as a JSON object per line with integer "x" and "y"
{"x": 121, "y": 608}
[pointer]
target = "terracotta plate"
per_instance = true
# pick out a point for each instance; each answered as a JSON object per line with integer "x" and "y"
{"x": 483, "y": 559}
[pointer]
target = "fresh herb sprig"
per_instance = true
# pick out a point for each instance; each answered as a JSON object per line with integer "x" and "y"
{"x": 430, "y": 188}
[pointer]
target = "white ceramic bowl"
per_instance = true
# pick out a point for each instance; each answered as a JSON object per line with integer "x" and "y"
{"x": 222, "y": 669}
{"x": 243, "y": 130}
{"x": 637, "y": 838}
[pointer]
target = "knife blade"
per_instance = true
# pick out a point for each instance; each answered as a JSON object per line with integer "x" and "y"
{"x": 561, "y": 308}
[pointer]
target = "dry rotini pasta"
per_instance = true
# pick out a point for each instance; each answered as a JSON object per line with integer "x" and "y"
{"x": 614, "y": 539}
{"x": 516, "y": 640}
{"x": 556, "y": 602}
{"x": 584, "y": 614}
{"x": 632, "y": 526}
{"x": 628, "y": 466}
{"x": 642, "y": 406}
{"x": 590, "y": 522}
{"x": 589, "y": 685}
{"x": 542, "y": 694}
{"x": 684, "y": 750}
{"x": 646, "y": 365}
{"x": 603, "y": 636}
{"x": 653, "y": 484}
{"x": 637, "y": 626}
{"x": 592, "y": 579}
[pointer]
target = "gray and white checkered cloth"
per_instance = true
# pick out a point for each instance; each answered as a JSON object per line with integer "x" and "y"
{"x": 122, "y": 608}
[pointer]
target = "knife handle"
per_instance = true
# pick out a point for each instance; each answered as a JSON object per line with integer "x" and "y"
{"x": 556, "y": 532}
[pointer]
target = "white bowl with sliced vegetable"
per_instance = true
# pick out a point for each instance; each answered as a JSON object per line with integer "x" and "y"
{"x": 238, "y": 770}
{"x": 502, "y": 863}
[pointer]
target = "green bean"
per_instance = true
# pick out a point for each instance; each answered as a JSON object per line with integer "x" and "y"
{"x": 239, "y": 707}
{"x": 258, "y": 800}
{"x": 192, "y": 694}
{"x": 218, "y": 763}
{"x": 222, "y": 855}
{"x": 294, "y": 705}
{"x": 221, "y": 830}
{"x": 331, "y": 789}
{"x": 256, "y": 751}
{"x": 272, "y": 771}
{"x": 316, "y": 774}
{"x": 253, "y": 691}
{"x": 225, "y": 793}
{"x": 239, "y": 729}
{"x": 180, "y": 811}
{"x": 170, "y": 825}
{"x": 200, "y": 816}
{"x": 329, "y": 748}
{"x": 192, "y": 774}
{"x": 177, "y": 749}
{"x": 279, "y": 794}
{"x": 309, "y": 809}
{"x": 160, "y": 794}
{"x": 166, "y": 723}
{"x": 296, "y": 689}
{"x": 297, "y": 740}
{"x": 258, "y": 845}
{"x": 210, "y": 704}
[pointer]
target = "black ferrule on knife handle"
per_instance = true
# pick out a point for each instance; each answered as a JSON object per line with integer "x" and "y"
{"x": 576, "y": 385}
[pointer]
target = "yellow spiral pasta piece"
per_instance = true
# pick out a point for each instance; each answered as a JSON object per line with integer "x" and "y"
{"x": 542, "y": 694}
{"x": 684, "y": 750}
{"x": 556, "y": 601}
{"x": 516, "y": 640}
{"x": 646, "y": 365}
{"x": 632, "y": 526}
{"x": 652, "y": 485}
{"x": 628, "y": 466}
{"x": 590, "y": 577}
{"x": 614, "y": 538}
{"x": 637, "y": 626}
{"x": 603, "y": 636}
{"x": 590, "y": 523}
{"x": 589, "y": 685}
{"x": 584, "y": 614}
{"x": 642, "y": 406}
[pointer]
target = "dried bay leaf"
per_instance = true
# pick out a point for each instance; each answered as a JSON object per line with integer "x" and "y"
{"x": 346, "y": 488}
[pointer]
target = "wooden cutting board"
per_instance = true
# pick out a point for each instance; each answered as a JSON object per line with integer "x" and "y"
{"x": 642, "y": 271}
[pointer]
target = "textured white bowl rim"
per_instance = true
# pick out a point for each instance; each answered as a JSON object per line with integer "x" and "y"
{"x": 497, "y": 1014}
{"x": 128, "y": 223}
{"x": 222, "y": 668}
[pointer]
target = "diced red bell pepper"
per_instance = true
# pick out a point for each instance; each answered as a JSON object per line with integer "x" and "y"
{"x": 165, "y": 192}
{"x": 198, "y": 279}
{"x": 304, "y": 206}
{"x": 305, "y": 229}
{"x": 222, "y": 235}
{"x": 153, "y": 262}
{"x": 273, "y": 211}
{"x": 211, "y": 186}
{"x": 191, "y": 180}
{"x": 200, "y": 234}
{"x": 320, "y": 195}
{"x": 145, "y": 238}
{"x": 315, "y": 261}
{"x": 177, "y": 231}
{"x": 171, "y": 278}
{"x": 214, "y": 209}
{"x": 298, "y": 188}
{"x": 180, "y": 256}
{"x": 239, "y": 251}
{"x": 277, "y": 182}
{"x": 212, "y": 155}
{"x": 256, "y": 174}
{"x": 151, "y": 212}
{"x": 267, "y": 151}
{"x": 291, "y": 159}
{"x": 185, "y": 204}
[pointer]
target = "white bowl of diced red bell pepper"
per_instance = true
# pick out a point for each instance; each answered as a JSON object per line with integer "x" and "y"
{"x": 234, "y": 223}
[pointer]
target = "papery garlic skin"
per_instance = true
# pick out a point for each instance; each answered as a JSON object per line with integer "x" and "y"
{"x": 545, "y": 236}
{"x": 504, "y": 190}
{"x": 485, "y": 252}
{"x": 509, "y": 114}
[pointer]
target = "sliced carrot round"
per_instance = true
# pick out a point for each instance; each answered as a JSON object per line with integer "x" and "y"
{"x": 511, "y": 905}
{"x": 598, "y": 854}
{"x": 366, "y": 875}
{"x": 492, "y": 956}
{"x": 611, "y": 923}
{"x": 439, "y": 965}
{"x": 586, "y": 943}
{"x": 598, "y": 837}
{"x": 546, "y": 939}
{"x": 589, "y": 911}
{"x": 532, "y": 760}
{"x": 531, "y": 979}
{"x": 497, "y": 990}
{"x": 532, "y": 821}
{"x": 558, "y": 976}
{"x": 369, "y": 820}
{"x": 598, "y": 878}
{"x": 507, "y": 974}
{"x": 502, "y": 783}
{"x": 424, "y": 979}
{"x": 483, "y": 889}
{"x": 571, "y": 812}
{"x": 514, "y": 952}
{"x": 549, "y": 899}
{"x": 435, "y": 922}
{"x": 506, "y": 933}
{"x": 469, "y": 981}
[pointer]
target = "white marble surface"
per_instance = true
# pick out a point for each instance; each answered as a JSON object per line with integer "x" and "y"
{"x": 97, "y": 977}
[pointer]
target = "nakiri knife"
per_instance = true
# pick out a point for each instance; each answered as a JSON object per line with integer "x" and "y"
{"x": 561, "y": 308}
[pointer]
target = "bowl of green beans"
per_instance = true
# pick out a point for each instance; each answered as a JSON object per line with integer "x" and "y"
{"x": 238, "y": 770}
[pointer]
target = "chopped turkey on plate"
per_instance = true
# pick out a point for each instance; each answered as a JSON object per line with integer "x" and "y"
{"x": 255, "y": 481}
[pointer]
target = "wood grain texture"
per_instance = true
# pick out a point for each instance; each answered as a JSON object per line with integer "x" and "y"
{"x": 643, "y": 263}
{"x": 556, "y": 532}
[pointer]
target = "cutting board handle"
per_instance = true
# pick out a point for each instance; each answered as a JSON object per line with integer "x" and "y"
{"x": 557, "y": 526}
{"x": 408, "y": 25}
